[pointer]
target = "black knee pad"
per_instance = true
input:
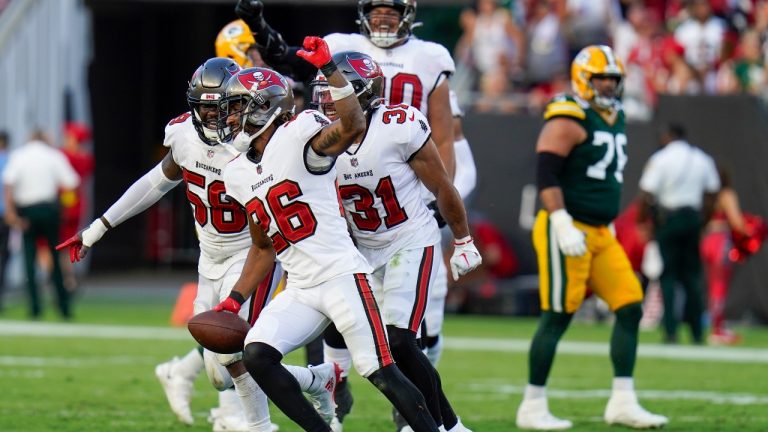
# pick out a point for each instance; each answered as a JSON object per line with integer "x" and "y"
{"x": 258, "y": 357}
{"x": 333, "y": 338}
{"x": 401, "y": 340}
{"x": 631, "y": 313}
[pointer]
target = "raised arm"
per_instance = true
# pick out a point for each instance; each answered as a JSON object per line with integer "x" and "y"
{"x": 335, "y": 138}
{"x": 138, "y": 197}
{"x": 273, "y": 49}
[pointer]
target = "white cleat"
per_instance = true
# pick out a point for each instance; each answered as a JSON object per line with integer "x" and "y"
{"x": 233, "y": 423}
{"x": 624, "y": 409}
{"x": 178, "y": 390}
{"x": 533, "y": 414}
{"x": 459, "y": 427}
{"x": 326, "y": 377}
{"x": 336, "y": 425}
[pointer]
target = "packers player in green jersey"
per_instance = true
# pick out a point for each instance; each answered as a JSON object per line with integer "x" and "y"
{"x": 581, "y": 153}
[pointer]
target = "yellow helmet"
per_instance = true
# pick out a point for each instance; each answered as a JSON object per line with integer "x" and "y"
{"x": 596, "y": 60}
{"x": 233, "y": 42}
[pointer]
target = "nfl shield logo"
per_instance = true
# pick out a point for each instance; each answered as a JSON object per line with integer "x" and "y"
{"x": 210, "y": 154}
{"x": 353, "y": 161}
{"x": 258, "y": 169}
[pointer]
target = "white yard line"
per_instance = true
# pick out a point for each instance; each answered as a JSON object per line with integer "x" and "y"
{"x": 708, "y": 396}
{"x": 672, "y": 352}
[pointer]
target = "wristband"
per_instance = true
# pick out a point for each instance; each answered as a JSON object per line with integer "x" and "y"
{"x": 462, "y": 241}
{"x": 339, "y": 93}
{"x": 329, "y": 69}
{"x": 93, "y": 233}
{"x": 236, "y": 296}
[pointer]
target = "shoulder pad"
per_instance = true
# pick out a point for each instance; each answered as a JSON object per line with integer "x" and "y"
{"x": 565, "y": 106}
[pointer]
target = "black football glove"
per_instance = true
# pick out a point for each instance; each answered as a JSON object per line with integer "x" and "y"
{"x": 436, "y": 214}
{"x": 250, "y": 12}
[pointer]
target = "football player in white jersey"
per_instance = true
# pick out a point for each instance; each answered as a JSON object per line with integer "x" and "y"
{"x": 287, "y": 182}
{"x": 416, "y": 71}
{"x": 196, "y": 156}
{"x": 380, "y": 179}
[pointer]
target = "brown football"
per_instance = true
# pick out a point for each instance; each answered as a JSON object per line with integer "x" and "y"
{"x": 220, "y": 332}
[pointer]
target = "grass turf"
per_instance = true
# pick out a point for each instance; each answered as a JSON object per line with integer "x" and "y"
{"x": 89, "y": 384}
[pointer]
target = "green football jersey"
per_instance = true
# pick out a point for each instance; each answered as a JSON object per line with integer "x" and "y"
{"x": 592, "y": 175}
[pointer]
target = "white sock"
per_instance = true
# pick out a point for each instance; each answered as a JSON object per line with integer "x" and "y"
{"x": 340, "y": 356}
{"x": 534, "y": 392}
{"x": 254, "y": 403}
{"x": 303, "y": 375}
{"x": 434, "y": 352}
{"x": 623, "y": 384}
{"x": 190, "y": 365}
{"x": 229, "y": 403}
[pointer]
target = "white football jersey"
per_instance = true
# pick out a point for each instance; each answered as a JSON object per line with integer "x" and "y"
{"x": 380, "y": 191}
{"x": 221, "y": 225}
{"x": 298, "y": 209}
{"x": 413, "y": 70}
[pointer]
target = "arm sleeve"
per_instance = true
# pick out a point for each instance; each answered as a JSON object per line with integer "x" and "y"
{"x": 419, "y": 132}
{"x": 140, "y": 196}
{"x": 650, "y": 181}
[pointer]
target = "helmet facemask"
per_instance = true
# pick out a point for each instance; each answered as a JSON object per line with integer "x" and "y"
{"x": 254, "y": 100}
{"x": 321, "y": 97}
{"x": 607, "y": 101}
{"x": 388, "y": 35}
{"x": 206, "y": 124}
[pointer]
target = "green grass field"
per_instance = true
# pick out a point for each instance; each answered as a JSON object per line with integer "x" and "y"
{"x": 89, "y": 383}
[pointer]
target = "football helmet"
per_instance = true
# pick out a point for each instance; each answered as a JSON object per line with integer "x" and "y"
{"x": 256, "y": 97}
{"x": 233, "y": 41}
{"x": 206, "y": 88}
{"x": 385, "y": 39}
{"x": 596, "y": 60}
{"x": 362, "y": 72}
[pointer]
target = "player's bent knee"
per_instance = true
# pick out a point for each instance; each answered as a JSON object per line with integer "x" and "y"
{"x": 258, "y": 357}
{"x": 630, "y": 313}
{"x": 217, "y": 373}
{"x": 401, "y": 340}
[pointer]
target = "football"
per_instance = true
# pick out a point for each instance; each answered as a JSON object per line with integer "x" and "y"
{"x": 220, "y": 332}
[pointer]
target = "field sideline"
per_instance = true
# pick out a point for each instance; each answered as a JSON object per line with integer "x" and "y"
{"x": 97, "y": 375}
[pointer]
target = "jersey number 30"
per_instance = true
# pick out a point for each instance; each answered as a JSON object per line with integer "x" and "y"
{"x": 615, "y": 147}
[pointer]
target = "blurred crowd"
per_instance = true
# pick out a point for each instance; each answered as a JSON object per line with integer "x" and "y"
{"x": 513, "y": 55}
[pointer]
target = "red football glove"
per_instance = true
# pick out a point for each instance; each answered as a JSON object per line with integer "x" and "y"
{"x": 229, "y": 305}
{"x": 315, "y": 51}
{"x": 75, "y": 245}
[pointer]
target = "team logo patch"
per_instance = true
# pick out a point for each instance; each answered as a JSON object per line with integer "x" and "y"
{"x": 260, "y": 79}
{"x": 354, "y": 162}
{"x": 210, "y": 154}
{"x": 259, "y": 169}
{"x": 320, "y": 119}
{"x": 423, "y": 125}
{"x": 365, "y": 67}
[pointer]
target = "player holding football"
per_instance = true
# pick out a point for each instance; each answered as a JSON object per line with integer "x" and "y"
{"x": 581, "y": 154}
{"x": 380, "y": 179}
{"x": 287, "y": 183}
{"x": 196, "y": 156}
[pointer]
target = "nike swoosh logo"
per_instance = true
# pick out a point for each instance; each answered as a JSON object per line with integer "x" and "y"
{"x": 413, "y": 116}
